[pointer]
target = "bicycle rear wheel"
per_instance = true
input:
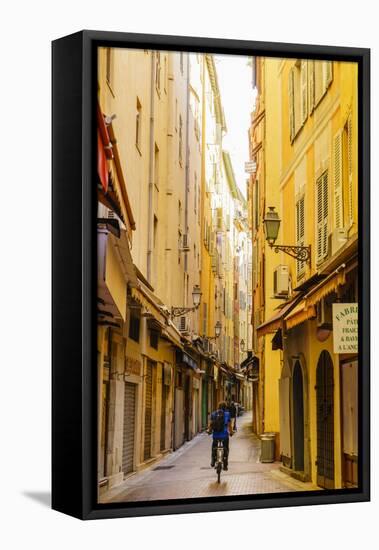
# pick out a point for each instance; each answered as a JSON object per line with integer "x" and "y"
{"x": 219, "y": 468}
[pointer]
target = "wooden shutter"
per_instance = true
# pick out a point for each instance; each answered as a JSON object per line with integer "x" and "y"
{"x": 325, "y": 187}
{"x": 328, "y": 73}
{"x": 300, "y": 232}
{"x": 338, "y": 186}
{"x": 311, "y": 72}
{"x": 350, "y": 166}
{"x": 322, "y": 207}
{"x": 304, "y": 91}
{"x": 291, "y": 100}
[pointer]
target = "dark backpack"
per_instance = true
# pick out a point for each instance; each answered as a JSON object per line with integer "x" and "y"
{"x": 218, "y": 421}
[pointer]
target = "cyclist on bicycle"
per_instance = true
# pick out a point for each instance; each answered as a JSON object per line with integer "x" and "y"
{"x": 221, "y": 427}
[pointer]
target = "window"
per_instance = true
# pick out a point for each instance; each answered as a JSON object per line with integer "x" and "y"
{"x": 138, "y": 125}
{"x": 300, "y": 232}
{"x": 181, "y": 63}
{"x": 156, "y": 166}
{"x": 180, "y": 140}
{"x": 323, "y": 76}
{"x": 134, "y": 324}
{"x": 109, "y": 67}
{"x": 256, "y": 205}
{"x": 158, "y": 71}
{"x": 205, "y": 315}
{"x": 154, "y": 339}
{"x": 338, "y": 181}
{"x": 165, "y": 75}
{"x": 298, "y": 96}
{"x": 195, "y": 196}
{"x": 322, "y": 208}
{"x": 348, "y": 158}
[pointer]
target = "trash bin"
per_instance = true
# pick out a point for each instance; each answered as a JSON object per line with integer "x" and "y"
{"x": 268, "y": 447}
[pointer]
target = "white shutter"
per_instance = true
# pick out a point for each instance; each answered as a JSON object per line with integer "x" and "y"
{"x": 311, "y": 72}
{"x": 350, "y": 166}
{"x": 300, "y": 232}
{"x": 304, "y": 91}
{"x": 338, "y": 184}
{"x": 291, "y": 98}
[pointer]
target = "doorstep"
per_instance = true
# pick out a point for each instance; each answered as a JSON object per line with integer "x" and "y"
{"x": 300, "y": 476}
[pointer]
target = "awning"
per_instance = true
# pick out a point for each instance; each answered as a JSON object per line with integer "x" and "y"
{"x": 277, "y": 341}
{"x": 139, "y": 294}
{"x": 299, "y": 314}
{"x": 275, "y": 322}
{"x": 329, "y": 285}
{"x": 306, "y": 309}
{"x": 104, "y": 150}
{"x": 183, "y": 357}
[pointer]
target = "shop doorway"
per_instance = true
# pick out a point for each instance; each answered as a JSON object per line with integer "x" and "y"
{"x": 204, "y": 405}
{"x": 349, "y": 420}
{"x": 298, "y": 417}
{"x": 325, "y": 421}
{"x": 129, "y": 427}
{"x": 163, "y": 415}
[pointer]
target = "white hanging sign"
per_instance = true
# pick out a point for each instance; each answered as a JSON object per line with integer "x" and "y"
{"x": 345, "y": 328}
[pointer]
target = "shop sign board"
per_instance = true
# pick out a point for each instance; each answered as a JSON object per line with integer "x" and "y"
{"x": 345, "y": 328}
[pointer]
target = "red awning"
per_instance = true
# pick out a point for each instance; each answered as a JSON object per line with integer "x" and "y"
{"x": 104, "y": 149}
{"x": 102, "y": 165}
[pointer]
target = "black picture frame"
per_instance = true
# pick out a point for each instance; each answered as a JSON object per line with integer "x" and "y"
{"x": 74, "y": 387}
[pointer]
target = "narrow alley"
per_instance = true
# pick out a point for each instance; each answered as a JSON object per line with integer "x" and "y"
{"x": 186, "y": 473}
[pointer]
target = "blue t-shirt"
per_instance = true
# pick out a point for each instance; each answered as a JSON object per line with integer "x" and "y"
{"x": 224, "y": 434}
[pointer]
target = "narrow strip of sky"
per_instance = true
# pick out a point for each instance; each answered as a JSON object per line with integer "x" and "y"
{"x": 237, "y": 98}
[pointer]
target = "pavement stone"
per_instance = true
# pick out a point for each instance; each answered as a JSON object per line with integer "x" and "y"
{"x": 186, "y": 473}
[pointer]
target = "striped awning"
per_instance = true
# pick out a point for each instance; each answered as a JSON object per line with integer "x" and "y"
{"x": 306, "y": 309}
{"x": 299, "y": 314}
{"x": 275, "y": 322}
{"x": 326, "y": 287}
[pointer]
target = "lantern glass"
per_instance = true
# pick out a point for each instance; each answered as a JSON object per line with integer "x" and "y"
{"x": 217, "y": 329}
{"x": 242, "y": 345}
{"x": 196, "y": 295}
{"x": 271, "y": 225}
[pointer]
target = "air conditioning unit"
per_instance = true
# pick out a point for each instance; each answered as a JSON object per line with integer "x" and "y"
{"x": 185, "y": 242}
{"x": 324, "y": 315}
{"x": 338, "y": 238}
{"x": 281, "y": 281}
{"x": 183, "y": 324}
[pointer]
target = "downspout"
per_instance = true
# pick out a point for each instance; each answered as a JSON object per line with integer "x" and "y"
{"x": 150, "y": 216}
{"x": 187, "y": 174}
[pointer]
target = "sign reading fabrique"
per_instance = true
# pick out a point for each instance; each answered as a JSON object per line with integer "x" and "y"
{"x": 345, "y": 328}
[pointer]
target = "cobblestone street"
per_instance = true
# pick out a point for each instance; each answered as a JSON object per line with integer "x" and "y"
{"x": 186, "y": 473}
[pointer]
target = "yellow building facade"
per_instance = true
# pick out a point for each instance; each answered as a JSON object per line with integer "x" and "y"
{"x": 316, "y": 192}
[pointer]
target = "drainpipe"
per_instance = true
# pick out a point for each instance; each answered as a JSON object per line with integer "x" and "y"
{"x": 150, "y": 217}
{"x": 187, "y": 174}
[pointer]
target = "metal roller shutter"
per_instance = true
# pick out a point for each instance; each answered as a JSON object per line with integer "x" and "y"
{"x": 129, "y": 427}
{"x": 148, "y": 411}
